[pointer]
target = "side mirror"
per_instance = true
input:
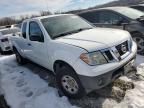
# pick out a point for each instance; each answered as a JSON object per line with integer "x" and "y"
{"x": 120, "y": 23}
{"x": 36, "y": 37}
{"x": 117, "y": 23}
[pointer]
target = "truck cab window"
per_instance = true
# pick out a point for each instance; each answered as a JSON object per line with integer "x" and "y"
{"x": 24, "y": 30}
{"x": 35, "y": 33}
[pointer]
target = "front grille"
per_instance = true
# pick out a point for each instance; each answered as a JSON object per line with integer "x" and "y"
{"x": 122, "y": 48}
{"x": 117, "y": 52}
{"x": 109, "y": 55}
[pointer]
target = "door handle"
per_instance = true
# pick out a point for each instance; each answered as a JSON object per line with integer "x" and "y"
{"x": 29, "y": 44}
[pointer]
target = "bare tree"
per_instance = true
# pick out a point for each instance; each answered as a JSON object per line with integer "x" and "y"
{"x": 7, "y": 21}
{"x": 58, "y": 12}
{"x": 33, "y": 16}
{"x": 45, "y": 13}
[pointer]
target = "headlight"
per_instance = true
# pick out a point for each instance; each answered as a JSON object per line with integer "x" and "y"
{"x": 94, "y": 58}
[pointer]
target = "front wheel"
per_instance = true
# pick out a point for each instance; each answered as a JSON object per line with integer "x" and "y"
{"x": 69, "y": 82}
{"x": 139, "y": 39}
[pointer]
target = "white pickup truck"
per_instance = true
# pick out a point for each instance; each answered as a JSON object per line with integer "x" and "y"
{"x": 82, "y": 57}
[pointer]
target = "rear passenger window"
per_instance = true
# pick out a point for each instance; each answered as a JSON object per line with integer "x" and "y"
{"x": 24, "y": 30}
{"x": 92, "y": 17}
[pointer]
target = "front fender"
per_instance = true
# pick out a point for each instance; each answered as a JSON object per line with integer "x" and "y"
{"x": 68, "y": 55}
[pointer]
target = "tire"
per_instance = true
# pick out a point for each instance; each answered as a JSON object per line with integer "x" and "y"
{"x": 65, "y": 75}
{"x": 20, "y": 60}
{"x": 139, "y": 39}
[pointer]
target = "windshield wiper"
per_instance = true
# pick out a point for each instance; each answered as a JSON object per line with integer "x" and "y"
{"x": 71, "y": 32}
{"x": 81, "y": 29}
{"x": 62, "y": 34}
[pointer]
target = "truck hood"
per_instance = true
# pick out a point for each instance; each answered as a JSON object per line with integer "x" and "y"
{"x": 96, "y": 39}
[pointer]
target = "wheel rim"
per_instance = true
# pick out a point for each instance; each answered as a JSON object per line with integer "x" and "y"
{"x": 140, "y": 43}
{"x": 69, "y": 84}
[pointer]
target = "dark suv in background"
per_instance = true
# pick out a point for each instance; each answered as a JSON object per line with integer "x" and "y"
{"x": 125, "y": 18}
{"x": 138, "y": 7}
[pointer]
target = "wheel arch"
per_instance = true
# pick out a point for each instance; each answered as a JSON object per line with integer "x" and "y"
{"x": 17, "y": 49}
{"x": 61, "y": 63}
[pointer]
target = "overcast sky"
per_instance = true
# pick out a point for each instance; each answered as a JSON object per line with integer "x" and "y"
{"x": 16, "y": 7}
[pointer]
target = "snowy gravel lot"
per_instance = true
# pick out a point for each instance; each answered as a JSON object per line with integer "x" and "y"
{"x": 31, "y": 86}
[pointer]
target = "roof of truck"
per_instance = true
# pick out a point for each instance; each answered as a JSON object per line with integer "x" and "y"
{"x": 42, "y": 17}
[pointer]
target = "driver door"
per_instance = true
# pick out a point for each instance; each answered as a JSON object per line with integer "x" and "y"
{"x": 37, "y": 44}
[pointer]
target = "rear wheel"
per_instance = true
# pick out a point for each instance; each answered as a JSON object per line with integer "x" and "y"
{"x": 69, "y": 82}
{"x": 139, "y": 39}
{"x": 19, "y": 58}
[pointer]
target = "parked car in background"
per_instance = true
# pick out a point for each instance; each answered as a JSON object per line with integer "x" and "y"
{"x": 138, "y": 7}
{"x": 5, "y": 35}
{"x": 125, "y": 18}
{"x": 16, "y": 26}
{"x": 6, "y": 26}
{"x": 82, "y": 57}
{"x": 11, "y": 26}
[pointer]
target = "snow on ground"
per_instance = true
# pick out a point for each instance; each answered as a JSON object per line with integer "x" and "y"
{"x": 24, "y": 89}
{"x": 140, "y": 65}
{"x": 135, "y": 98}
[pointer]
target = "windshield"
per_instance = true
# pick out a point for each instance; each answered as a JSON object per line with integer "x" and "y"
{"x": 60, "y": 25}
{"x": 129, "y": 12}
{"x": 9, "y": 31}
